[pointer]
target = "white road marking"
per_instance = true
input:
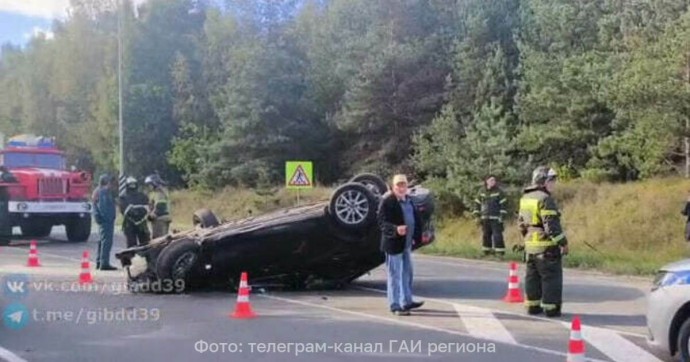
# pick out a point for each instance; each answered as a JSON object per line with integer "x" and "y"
{"x": 481, "y": 323}
{"x": 9, "y": 356}
{"x": 550, "y": 320}
{"x": 367, "y": 316}
{"x": 614, "y": 346}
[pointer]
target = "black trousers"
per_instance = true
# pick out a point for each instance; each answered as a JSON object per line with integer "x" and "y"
{"x": 492, "y": 237}
{"x": 137, "y": 235}
{"x": 544, "y": 279}
{"x": 687, "y": 231}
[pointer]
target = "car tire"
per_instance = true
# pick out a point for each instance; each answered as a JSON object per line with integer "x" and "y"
{"x": 205, "y": 218}
{"x": 175, "y": 264}
{"x": 374, "y": 183}
{"x": 684, "y": 341}
{"x": 78, "y": 229}
{"x": 353, "y": 206}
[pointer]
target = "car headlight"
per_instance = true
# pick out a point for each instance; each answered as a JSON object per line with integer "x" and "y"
{"x": 668, "y": 278}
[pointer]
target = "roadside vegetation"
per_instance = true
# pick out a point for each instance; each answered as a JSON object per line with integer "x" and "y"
{"x": 217, "y": 95}
{"x": 631, "y": 228}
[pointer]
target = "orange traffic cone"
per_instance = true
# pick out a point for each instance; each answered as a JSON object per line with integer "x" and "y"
{"x": 85, "y": 275}
{"x": 514, "y": 294}
{"x": 33, "y": 255}
{"x": 576, "y": 346}
{"x": 243, "y": 309}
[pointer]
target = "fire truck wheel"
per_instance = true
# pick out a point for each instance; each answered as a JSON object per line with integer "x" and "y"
{"x": 78, "y": 229}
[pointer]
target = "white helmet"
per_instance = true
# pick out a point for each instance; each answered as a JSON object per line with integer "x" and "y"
{"x": 131, "y": 182}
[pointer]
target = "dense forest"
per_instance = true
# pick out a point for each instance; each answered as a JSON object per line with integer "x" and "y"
{"x": 221, "y": 93}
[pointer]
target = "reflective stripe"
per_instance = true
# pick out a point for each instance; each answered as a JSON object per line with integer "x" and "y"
{"x": 500, "y": 249}
{"x": 558, "y": 238}
{"x": 503, "y": 201}
{"x": 485, "y": 248}
{"x": 549, "y": 213}
{"x": 532, "y": 303}
{"x": 477, "y": 201}
{"x": 132, "y": 206}
{"x": 504, "y": 212}
{"x": 496, "y": 194}
{"x": 549, "y": 306}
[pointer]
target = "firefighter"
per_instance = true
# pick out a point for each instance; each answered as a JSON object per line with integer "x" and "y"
{"x": 134, "y": 209}
{"x": 159, "y": 206}
{"x": 545, "y": 244}
{"x": 490, "y": 208}
{"x": 104, "y": 214}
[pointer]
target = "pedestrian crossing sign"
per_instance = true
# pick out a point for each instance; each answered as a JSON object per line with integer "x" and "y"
{"x": 299, "y": 175}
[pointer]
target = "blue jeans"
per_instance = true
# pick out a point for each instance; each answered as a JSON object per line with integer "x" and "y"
{"x": 399, "y": 287}
{"x": 105, "y": 242}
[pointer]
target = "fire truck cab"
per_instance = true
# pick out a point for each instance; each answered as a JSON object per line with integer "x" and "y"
{"x": 41, "y": 191}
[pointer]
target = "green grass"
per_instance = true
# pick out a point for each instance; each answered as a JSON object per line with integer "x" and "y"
{"x": 237, "y": 203}
{"x": 634, "y": 227}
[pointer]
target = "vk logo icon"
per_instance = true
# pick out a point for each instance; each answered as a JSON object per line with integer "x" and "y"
{"x": 15, "y": 286}
{"x": 15, "y": 316}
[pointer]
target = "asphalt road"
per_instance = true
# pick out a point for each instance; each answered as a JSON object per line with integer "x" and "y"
{"x": 463, "y": 317}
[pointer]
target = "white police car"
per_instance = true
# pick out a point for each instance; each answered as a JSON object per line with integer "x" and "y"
{"x": 668, "y": 310}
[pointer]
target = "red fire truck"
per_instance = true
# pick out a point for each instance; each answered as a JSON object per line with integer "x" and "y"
{"x": 44, "y": 193}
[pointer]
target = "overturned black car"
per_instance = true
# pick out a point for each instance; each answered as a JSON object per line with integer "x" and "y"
{"x": 322, "y": 245}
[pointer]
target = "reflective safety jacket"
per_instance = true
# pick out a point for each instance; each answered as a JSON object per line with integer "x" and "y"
{"x": 160, "y": 203}
{"x": 539, "y": 221}
{"x": 491, "y": 204}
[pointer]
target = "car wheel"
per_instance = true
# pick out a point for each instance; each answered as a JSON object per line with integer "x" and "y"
{"x": 205, "y": 218}
{"x": 374, "y": 183}
{"x": 175, "y": 265}
{"x": 353, "y": 206}
{"x": 684, "y": 341}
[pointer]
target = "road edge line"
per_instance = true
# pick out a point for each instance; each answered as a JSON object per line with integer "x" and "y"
{"x": 9, "y": 356}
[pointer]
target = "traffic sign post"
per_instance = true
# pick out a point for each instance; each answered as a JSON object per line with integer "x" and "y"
{"x": 299, "y": 175}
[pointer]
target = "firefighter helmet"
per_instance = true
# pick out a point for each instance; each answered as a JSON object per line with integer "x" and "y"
{"x": 154, "y": 180}
{"x": 543, "y": 174}
{"x": 131, "y": 182}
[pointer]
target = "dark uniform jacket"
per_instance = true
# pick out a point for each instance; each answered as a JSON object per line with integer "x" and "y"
{"x": 104, "y": 205}
{"x": 390, "y": 216}
{"x": 540, "y": 221}
{"x": 134, "y": 206}
{"x": 491, "y": 204}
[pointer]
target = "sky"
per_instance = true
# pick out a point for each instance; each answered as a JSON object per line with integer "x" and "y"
{"x": 22, "y": 19}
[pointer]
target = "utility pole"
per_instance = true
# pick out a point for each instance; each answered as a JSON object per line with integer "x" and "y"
{"x": 686, "y": 136}
{"x": 119, "y": 85}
